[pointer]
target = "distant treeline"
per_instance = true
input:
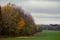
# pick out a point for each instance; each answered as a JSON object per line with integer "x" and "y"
{"x": 15, "y": 22}
{"x": 50, "y": 27}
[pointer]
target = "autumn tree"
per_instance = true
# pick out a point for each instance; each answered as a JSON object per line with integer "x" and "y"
{"x": 16, "y": 22}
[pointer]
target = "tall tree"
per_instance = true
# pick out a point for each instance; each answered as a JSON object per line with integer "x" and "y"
{"x": 16, "y": 22}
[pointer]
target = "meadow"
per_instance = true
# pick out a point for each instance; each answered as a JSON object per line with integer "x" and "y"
{"x": 44, "y": 35}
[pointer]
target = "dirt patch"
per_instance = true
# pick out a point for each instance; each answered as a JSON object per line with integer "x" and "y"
{"x": 24, "y": 37}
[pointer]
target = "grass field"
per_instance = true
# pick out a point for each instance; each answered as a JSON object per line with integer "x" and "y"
{"x": 44, "y": 35}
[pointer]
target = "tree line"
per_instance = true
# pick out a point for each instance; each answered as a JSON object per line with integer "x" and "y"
{"x": 15, "y": 22}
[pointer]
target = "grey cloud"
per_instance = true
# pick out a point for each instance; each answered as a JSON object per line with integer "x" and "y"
{"x": 47, "y": 0}
{"x": 43, "y": 7}
{"x": 48, "y": 17}
{"x": 42, "y": 10}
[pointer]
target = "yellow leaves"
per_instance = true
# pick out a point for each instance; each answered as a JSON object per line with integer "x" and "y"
{"x": 7, "y": 10}
{"x": 3, "y": 10}
{"x": 20, "y": 24}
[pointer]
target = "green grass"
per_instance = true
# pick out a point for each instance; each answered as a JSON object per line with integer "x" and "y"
{"x": 45, "y": 35}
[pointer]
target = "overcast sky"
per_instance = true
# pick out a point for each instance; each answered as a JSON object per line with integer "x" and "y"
{"x": 43, "y": 11}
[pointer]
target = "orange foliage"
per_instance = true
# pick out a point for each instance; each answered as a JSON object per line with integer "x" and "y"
{"x": 20, "y": 24}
